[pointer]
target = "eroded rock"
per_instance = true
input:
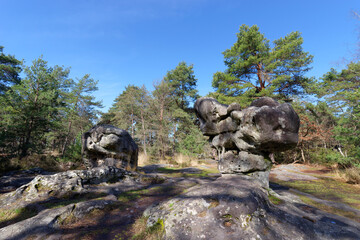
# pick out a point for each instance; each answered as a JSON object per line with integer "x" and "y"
{"x": 62, "y": 184}
{"x": 244, "y": 138}
{"x": 106, "y": 145}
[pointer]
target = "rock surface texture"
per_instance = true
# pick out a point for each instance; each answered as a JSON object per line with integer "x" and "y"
{"x": 235, "y": 207}
{"x": 62, "y": 184}
{"x": 106, "y": 145}
{"x": 244, "y": 138}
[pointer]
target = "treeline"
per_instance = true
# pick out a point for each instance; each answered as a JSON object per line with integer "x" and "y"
{"x": 45, "y": 111}
{"x": 163, "y": 121}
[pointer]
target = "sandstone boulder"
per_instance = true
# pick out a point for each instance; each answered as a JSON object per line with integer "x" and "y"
{"x": 244, "y": 138}
{"x": 106, "y": 145}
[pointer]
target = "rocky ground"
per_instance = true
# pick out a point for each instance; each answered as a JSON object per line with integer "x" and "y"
{"x": 114, "y": 209}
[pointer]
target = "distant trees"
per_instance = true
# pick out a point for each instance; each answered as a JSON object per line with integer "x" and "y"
{"x": 130, "y": 111}
{"x": 342, "y": 91}
{"x": 45, "y": 111}
{"x": 255, "y": 68}
{"x": 161, "y": 121}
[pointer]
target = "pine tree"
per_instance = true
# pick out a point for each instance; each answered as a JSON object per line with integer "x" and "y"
{"x": 255, "y": 68}
{"x": 80, "y": 111}
{"x": 342, "y": 92}
{"x": 10, "y": 69}
{"x": 130, "y": 112}
{"x": 31, "y": 108}
{"x": 183, "y": 83}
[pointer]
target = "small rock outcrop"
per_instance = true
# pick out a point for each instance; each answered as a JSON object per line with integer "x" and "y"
{"x": 106, "y": 145}
{"x": 244, "y": 138}
{"x": 62, "y": 184}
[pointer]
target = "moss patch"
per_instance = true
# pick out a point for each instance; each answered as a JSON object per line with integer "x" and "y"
{"x": 150, "y": 233}
{"x": 329, "y": 209}
{"x": 275, "y": 200}
{"x": 10, "y": 216}
{"x": 327, "y": 189}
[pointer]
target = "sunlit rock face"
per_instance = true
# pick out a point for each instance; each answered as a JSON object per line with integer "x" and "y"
{"x": 244, "y": 138}
{"x": 106, "y": 145}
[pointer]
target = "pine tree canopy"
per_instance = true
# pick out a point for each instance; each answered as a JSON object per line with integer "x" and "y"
{"x": 257, "y": 68}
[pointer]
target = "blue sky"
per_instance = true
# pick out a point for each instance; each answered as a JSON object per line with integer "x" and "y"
{"x": 137, "y": 42}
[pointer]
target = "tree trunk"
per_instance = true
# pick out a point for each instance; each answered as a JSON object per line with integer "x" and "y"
{"x": 303, "y": 155}
{"x": 25, "y": 145}
{"x": 162, "y": 142}
{"x": 144, "y": 133}
{"x": 132, "y": 123}
{"x": 66, "y": 139}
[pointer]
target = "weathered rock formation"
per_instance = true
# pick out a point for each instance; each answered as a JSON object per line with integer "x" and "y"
{"x": 245, "y": 138}
{"x": 42, "y": 187}
{"x": 106, "y": 145}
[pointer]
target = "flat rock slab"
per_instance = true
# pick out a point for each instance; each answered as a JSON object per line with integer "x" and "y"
{"x": 235, "y": 207}
{"x": 291, "y": 172}
{"x": 14, "y": 179}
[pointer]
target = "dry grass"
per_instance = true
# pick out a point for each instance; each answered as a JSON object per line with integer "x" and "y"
{"x": 143, "y": 159}
{"x": 185, "y": 161}
{"x": 178, "y": 160}
{"x": 329, "y": 209}
{"x": 140, "y": 230}
{"x": 11, "y": 216}
{"x": 350, "y": 175}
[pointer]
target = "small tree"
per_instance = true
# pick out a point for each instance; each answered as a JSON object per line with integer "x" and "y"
{"x": 183, "y": 83}
{"x": 80, "y": 111}
{"x": 161, "y": 117}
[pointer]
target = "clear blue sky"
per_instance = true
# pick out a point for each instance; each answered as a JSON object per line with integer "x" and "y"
{"x": 138, "y": 41}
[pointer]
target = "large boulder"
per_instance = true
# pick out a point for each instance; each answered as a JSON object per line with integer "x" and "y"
{"x": 106, "y": 145}
{"x": 244, "y": 138}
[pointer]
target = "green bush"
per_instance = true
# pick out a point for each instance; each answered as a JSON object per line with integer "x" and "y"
{"x": 73, "y": 152}
{"x": 330, "y": 157}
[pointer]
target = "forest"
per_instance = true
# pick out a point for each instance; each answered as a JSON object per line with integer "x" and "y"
{"x": 43, "y": 112}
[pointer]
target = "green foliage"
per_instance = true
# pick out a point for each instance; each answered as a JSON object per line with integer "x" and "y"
{"x": 342, "y": 92}
{"x": 10, "y": 69}
{"x": 73, "y": 153}
{"x": 45, "y": 112}
{"x": 32, "y": 107}
{"x": 329, "y": 157}
{"x": 79, "y": 113}
{"x": 182, "y": 82}
{"x": 161, "y": 122}
{"x": 192, "y": 143}
{"x": 255, "y": 69}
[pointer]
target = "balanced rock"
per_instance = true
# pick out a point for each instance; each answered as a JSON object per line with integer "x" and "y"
{"x": 106, "y": 145}
{"x": 244, "y": 138}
